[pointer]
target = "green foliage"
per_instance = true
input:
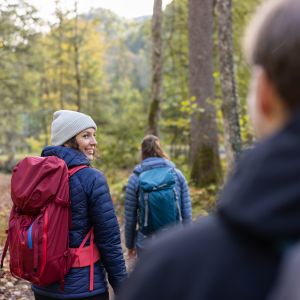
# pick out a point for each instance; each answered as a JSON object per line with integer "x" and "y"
{"x": 176, "y": 107}
{"x": 37, "y": 77}
{"x": 203, "y": 200}
{"x": 120, "y": 142}
{"x": 17, "y": 80}
{"x": 242, "y": 11}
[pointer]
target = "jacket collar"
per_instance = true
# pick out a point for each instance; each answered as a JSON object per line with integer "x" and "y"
{"x": 72, "y": 157}
{"x": 151, "y": 163}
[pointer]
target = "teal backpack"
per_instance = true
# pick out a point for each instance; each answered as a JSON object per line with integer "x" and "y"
{"x": 158, "y": 200}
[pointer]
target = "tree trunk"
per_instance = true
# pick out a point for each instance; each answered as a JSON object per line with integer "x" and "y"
{"x": 77, "y": 60}
{"x": 45, "y": 95}
{"x": 232, "y": 133}
{"x": 204, "y": 154}
{"x": 156, "y": 68}
{"x": 61, "y": 63}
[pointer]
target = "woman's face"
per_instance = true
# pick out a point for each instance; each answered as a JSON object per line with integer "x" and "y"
{"x": 86, "y": 140}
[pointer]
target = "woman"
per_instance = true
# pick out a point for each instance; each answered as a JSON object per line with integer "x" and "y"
{"x": 153, "y": 157}
{"x": 73, "y": 139}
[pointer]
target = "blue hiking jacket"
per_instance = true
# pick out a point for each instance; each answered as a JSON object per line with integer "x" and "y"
{"x": 91, "y": 205}
{"x": 133, "y": 237}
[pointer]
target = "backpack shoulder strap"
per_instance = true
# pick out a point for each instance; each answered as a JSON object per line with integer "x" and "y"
{"x": 137, "y": 173}
{"x": 140, "y": 171}
{"x": 144, "y": 169}
{"x": 73, "y": 170}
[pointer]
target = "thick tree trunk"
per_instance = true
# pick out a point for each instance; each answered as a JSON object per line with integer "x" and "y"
{"x": 157, "y": 63}
{"x": 61, "y": 63}
{"x": 60, "y": 40}
{"x": 45, "y": 95}
{"x": 232, "y": 134}
{"x": 205, "y": 161}
{"x": 77, "y": 60}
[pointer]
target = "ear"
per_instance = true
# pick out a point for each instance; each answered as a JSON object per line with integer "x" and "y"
{"x": 266, "y": 94}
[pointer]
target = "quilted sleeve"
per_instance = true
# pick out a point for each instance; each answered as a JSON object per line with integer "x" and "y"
{"x": 131, "y": 206}
{"x": 186, "y": 207}
{"x": 106, "y": 228}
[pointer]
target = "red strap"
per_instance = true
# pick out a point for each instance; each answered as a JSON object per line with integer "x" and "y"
{"x": 82, "y": 258}
{"x": 73, "y": 170}
{"x": 89, "y": 254}
{"x": 4, "y": 252}
{"x": 89, "y": 234}
{"x": 16, "y": 239}
{"x": 85, "y": 239}
{"x": 45, "y": 240}
{"x": 92, "y": 261}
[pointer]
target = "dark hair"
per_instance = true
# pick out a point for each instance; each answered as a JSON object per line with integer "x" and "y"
{"x": 72, "y": 143}
{"x": 273, "y": 42}
{"x": 151, "y": 147}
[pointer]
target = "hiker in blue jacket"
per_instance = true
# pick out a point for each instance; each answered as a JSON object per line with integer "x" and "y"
{"x": 73, "y": 140}
{"x": 153, "y": 157}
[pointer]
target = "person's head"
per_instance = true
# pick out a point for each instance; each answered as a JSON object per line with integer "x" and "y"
{"x": 74, "y": 129}
{"x": 151, "y": 147}
{"x": 272, "y": 47}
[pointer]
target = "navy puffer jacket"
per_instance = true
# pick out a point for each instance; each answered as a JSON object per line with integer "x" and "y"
{"x": 91, "y": 205}
{"x": 132, "y": 236}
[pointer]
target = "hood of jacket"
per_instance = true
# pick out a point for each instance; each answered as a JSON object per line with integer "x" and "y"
{"x": 263, "y": 195}
{"x": 152, "y": 163}
{"x": 71, "y": 156}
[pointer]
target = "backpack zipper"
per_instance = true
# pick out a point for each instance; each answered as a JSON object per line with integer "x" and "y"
{"x": 146, "y": 209}
{"x": 35, "y": 248}
{"x": 29, "y": 237}
{"x": 177, "y": 204}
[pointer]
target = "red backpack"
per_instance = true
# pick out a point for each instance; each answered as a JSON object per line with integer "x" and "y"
{"x": 39, "y": 223}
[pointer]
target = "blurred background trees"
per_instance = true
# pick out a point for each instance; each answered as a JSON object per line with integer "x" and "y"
{"x": 103, "y": 65}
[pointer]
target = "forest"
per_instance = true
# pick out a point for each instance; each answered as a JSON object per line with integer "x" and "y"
{"x": 179, "y": 74}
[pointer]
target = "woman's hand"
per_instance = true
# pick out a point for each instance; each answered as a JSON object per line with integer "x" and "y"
{"x": 131, "y": 253}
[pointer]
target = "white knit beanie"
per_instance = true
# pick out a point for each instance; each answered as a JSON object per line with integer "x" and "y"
{"x": 68, "y": 123}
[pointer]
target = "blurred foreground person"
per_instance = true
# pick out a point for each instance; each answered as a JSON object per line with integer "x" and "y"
{"x": 236, "y": 253}
{"x": 287, "y": 286}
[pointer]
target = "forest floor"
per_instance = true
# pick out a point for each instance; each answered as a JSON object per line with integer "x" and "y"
{"x": 203, "y": 201}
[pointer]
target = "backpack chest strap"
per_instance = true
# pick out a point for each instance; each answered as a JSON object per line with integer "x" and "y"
{"x": 83, "y": 256}
{"x": 86, "y": 256}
